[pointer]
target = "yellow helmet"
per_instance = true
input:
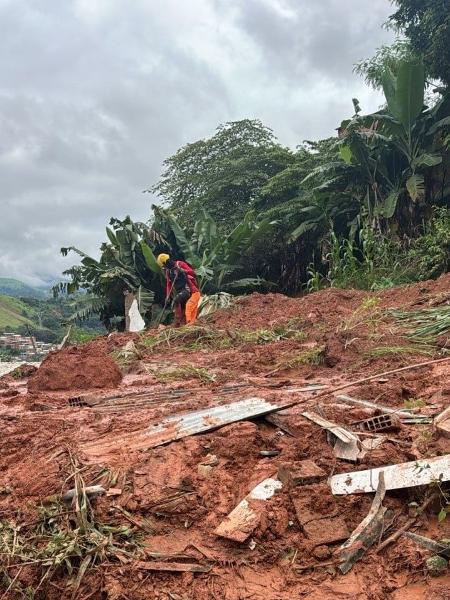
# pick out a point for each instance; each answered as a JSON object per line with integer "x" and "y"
{"x": 162, "y": 259}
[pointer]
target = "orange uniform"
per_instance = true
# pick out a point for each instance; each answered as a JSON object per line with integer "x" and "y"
{"x": 191, "y": 309}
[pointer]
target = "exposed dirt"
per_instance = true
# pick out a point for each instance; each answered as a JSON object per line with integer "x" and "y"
{"x": 78, "y": 407}
{"x": 82, "y": 368}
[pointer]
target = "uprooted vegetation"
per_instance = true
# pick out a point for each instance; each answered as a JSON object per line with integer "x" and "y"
{"x": 199, "y": 337}
{"x": 153, "y": 532}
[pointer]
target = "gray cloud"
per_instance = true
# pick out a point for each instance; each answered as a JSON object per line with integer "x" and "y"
{"x": 94, "y": 94}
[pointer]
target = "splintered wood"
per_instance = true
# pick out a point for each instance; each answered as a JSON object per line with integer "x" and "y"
{"x": 367, "y": 532}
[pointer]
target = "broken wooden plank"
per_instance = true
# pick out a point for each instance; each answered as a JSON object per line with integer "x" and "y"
{"x": 442, "y": 422}
{"x": 367, "y": 532}
{"x": 402, "y": 414}
{"x": 443, "y": 427}
{"x": 183, "y": 425}
{"x": 440, "y": 548}
{"x": 404, "y": 475}
{"x": 172, "y": 566}
{"x": 443, "y": 416}
{"x": 244, "y": 519}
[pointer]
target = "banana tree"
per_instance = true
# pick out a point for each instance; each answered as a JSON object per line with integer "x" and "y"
{"x": 218, "y": 259}
{"x": 121, "y": 265}
{"x": 398, "y": 146}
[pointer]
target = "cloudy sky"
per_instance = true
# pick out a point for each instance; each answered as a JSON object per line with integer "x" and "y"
{"x": 94, "y": 94}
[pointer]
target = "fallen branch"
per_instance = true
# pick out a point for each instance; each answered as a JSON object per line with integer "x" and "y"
{"x": 379, "y": 375}
{"x": 176, "y": 567}
{"x": 145, "y": 527}
{"x": 331, "y": 563}
{"x": 409, "y": 523}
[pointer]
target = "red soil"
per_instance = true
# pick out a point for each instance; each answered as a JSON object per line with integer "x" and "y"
{"x": 183, "y": 502}
{"x": 81, "y": 367}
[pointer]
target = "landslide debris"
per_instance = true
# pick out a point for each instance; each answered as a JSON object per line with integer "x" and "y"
{"x": 163, "y": 504}
{"x": 76, "y": 368}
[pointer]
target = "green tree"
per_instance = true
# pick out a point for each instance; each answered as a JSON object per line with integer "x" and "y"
{"x": 426, "y": 24}
{"x": 393, "y": 152}
{"x": 222, "y": 174}
{"x": 388, "y": 56}
{"x": 121, "y": 265}
{"x": 128, "y": 260}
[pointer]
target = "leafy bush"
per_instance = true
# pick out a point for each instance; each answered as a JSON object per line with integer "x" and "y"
{"x": 370, "y": 262}
{"x": 430, "y": 253}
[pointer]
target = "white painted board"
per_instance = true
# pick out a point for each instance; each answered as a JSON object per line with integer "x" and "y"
{"x": 404, "y": 475}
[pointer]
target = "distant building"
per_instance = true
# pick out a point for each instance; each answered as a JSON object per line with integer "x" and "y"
{"x": 28, "y": 348}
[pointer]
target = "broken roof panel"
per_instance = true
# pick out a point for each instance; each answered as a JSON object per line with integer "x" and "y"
{"x": 186, "y": 424}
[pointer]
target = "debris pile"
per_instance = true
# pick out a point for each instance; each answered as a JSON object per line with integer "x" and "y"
{"x": 282, "y": 448}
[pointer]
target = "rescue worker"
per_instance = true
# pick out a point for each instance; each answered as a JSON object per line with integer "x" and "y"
{"x": 176, "y": 272}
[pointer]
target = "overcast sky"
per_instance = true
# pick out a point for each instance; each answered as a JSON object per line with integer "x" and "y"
{"x": 94, "y": 94}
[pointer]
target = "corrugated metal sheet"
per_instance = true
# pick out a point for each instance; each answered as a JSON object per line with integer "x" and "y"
{"x": 182, "y": 425}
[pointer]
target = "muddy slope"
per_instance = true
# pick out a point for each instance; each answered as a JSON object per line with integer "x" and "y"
{"x": 93, "y": 406}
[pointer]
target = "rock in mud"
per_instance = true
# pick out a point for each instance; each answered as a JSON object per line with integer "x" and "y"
{"x": 436, "y": 565}
{"x": 300, "y": 473}
{"x": 321, "y": 552}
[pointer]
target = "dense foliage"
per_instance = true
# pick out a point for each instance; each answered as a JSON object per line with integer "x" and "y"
{"x": 128, "y": 261}
{"x": 368, "y": 208}
{"x": 223, "y": 174}
{"x": 426, "y": 25}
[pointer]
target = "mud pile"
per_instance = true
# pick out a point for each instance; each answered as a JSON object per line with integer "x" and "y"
{"x": 87, "y": 414}
{"x": 75, "y": 368}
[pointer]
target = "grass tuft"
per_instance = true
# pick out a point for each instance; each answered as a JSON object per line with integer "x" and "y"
{"x": 425, "y": 325}
{"x": 185, "y": 372}
{"x": 389, "y": 350}
{"x": 63, "y": 542}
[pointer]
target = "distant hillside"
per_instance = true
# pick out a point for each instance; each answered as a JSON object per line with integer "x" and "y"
{"x": 15, "y": 314}
{"x": 44, "y": 318}
{"x": 18, "y": 289}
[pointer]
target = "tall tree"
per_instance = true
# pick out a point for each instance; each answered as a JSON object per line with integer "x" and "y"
{"x": 426, "y": 24}
{"x": 222, "y": 174}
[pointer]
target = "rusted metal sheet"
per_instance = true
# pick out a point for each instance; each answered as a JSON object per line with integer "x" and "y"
{"x": 244, "y": 519}
{"x": 183, "y": 425}
{"x": 404, "y": 475}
